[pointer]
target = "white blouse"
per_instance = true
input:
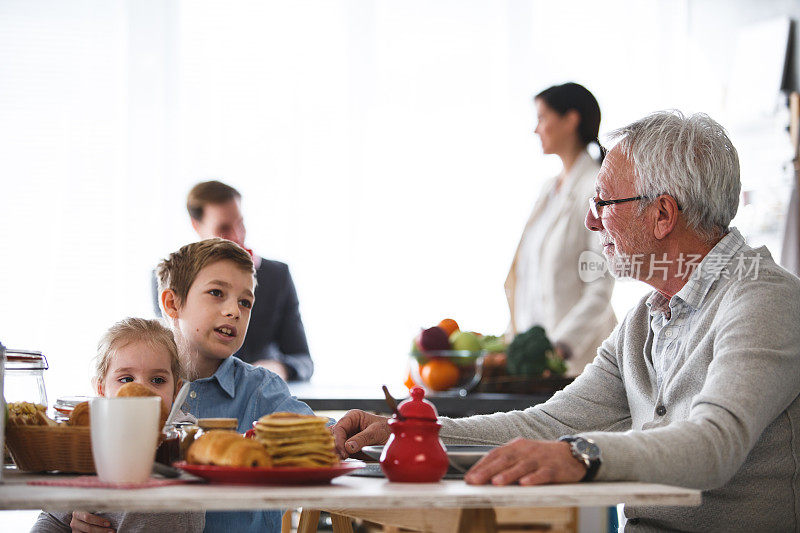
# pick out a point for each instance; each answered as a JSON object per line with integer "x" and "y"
{"x": 530, "y": 297}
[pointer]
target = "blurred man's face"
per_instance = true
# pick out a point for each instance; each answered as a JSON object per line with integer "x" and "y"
{"x": 221, "y": 220}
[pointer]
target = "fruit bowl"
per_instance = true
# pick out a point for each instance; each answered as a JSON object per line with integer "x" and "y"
{"x": 447, "y": 372}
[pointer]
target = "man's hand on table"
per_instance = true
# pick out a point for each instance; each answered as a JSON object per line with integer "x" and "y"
{"x": 357, "y": 429}
{"x": 528, "y": 462}
{"x": 89, "y": 523}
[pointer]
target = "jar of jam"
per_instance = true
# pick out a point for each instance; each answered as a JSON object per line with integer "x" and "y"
{"x": 191, "y": 432}
{"x": 208, "y": 424}
{"x": 169, "y": 450}
{"x": 186, "y": 434}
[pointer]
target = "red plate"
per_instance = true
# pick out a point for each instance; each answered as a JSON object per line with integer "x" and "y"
{"x": 279, "y": 475}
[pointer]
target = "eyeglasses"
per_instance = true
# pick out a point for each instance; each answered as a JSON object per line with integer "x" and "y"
{"x": 595, "y": 204}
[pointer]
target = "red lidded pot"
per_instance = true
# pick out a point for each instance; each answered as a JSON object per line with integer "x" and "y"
{"x": 414, "y": 452}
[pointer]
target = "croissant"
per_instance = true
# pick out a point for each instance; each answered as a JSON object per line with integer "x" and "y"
{"x": 209, "y": 447}
{"x": 227, "y": 448}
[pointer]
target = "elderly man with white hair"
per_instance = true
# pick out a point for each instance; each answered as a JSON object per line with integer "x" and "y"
{"x": 698, "y": 385}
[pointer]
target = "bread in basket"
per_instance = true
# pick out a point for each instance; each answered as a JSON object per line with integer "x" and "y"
{"x": 38, "y": 444}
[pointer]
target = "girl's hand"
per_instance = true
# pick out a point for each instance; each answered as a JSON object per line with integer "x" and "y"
{"x": 89, "y": 523}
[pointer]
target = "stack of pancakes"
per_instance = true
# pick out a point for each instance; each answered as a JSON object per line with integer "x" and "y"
{"x": 297, "y": 440}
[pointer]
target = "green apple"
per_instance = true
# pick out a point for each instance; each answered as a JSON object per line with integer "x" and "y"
{"x": 493, "y": 344}
{"x": 465, "y": 340}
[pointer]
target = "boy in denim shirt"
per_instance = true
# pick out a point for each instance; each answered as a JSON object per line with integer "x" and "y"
{"x": 206, "y": 294}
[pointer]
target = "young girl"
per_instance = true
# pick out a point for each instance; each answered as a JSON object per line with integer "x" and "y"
{"x": 139, "y": 351}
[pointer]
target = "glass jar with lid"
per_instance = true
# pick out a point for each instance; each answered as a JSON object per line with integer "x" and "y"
{"x": 169, "y": 447}
{"x": 64, "y": 406}
{"x": 191, "y": 432}
{"x": 6, "y": 455}
{"x": 186, "y": 435}
{"x": 209, "y": 424}
{"x": 24, "y": 376}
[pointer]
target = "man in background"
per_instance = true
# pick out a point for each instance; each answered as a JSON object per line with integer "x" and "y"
{"x": 275, "y": 339}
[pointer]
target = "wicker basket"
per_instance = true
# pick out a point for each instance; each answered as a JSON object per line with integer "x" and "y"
{"x": 44, "y": 448}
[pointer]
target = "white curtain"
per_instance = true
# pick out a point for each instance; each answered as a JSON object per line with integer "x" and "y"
{"x": 790, "y": 252}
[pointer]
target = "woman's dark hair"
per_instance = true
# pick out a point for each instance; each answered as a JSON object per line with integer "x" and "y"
{"x": 572, "y": 96}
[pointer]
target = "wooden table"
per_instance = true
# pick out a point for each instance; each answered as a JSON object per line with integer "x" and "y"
{"x": 445, "y": 506}
{"x": 321, "y": 397}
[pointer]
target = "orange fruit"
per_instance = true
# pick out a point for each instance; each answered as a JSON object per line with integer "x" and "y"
{"x": 409, "y": 382}
{"x": 449, "y": 326}
{"x": 439, "y": 374}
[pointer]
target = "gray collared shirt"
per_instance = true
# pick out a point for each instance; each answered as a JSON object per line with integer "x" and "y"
{"x": 668, "y": 318}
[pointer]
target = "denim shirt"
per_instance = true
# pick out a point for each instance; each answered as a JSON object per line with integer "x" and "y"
{"x": 241, "y": 390}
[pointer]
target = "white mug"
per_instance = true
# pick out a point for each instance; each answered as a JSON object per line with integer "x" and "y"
{"x": 124, "y": 437}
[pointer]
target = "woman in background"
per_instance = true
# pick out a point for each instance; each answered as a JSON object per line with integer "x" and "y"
{"x": 544, "y": 285}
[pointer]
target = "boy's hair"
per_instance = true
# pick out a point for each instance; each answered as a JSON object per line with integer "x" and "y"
{"x": 209, "y": 192}
{"x": 129, "y": 330}
{"x": 178, "y": 271}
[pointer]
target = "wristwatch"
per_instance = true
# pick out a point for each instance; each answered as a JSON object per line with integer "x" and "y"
{"x": 585, "y": 451}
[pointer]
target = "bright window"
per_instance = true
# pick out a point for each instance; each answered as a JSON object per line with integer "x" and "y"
{"x": 384, "y": 150}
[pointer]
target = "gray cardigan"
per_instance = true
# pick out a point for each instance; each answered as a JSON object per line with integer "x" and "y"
{"x": 732, "y": 420}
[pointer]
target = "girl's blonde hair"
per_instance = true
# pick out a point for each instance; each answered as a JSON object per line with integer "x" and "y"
{"x": 129, "y": 330}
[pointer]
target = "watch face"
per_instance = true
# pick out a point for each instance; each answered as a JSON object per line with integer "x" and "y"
{"x": 587, "y": 449}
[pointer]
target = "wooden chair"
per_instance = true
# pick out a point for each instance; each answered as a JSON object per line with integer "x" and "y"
{"x": 526, "y": 519}
{"x": 286, "y": 521}
{"x": 309, "y": 520}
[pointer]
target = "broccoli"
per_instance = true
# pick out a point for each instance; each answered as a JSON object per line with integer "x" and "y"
{"x": 530, "y": 353}
{"x": 556, "y": 364}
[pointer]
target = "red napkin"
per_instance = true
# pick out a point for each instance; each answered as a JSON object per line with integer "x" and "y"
{"x": 90, "y": 482}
